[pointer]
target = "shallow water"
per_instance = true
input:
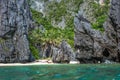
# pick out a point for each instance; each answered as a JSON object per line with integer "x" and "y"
{"x": 61, "y": 72}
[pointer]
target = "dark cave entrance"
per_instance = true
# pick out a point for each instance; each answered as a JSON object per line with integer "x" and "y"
{"x": 106, "y": 53}
{"x": 118, "y": 55}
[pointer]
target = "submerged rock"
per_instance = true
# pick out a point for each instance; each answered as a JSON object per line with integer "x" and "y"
{"x": 15, "y": 19}
{"x": 63, "y": 55}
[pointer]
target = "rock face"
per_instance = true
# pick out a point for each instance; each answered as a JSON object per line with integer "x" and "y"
{"x": 110, "y": 40}
{"x": 47, "y": 51}
{"x": 64, "y": 54}
{"x": 87, "y": 10}
{"x": 15, "y": 19}
{"x": 113, "y": 25}
{"x": 87, "y": 49}
{"x": 94, "y": 46}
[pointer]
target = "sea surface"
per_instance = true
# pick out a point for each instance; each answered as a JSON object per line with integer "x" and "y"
{"x": 62, "y": 72}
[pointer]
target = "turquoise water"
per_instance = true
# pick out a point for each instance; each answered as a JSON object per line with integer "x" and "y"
{"x": 61, "y": 72}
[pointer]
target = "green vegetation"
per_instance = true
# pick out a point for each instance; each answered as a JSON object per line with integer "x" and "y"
{"x": 34, "y": 51}
{"x": 55, "y": 11}
{"x": 1, "y": 40}
{"x": 100, "y": 13}
{"x": 51, "y": 34}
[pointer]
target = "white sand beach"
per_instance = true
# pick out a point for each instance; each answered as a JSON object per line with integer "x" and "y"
{"x": 37, "y": 62}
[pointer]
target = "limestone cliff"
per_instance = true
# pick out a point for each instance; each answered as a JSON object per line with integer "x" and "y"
{"x": 15, "y": 19}
{"x": 95, "y": 46}
{"x": 49, "y": 13}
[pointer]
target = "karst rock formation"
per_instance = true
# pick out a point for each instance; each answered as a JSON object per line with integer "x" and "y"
{"x": 15, "y": 19}
{"x": 91, "y": 45}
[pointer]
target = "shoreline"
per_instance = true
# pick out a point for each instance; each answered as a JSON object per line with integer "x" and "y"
{"x": 37, "y": 62}
{"x": 23, "y": 64}
{"x": 46, "y": 62}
